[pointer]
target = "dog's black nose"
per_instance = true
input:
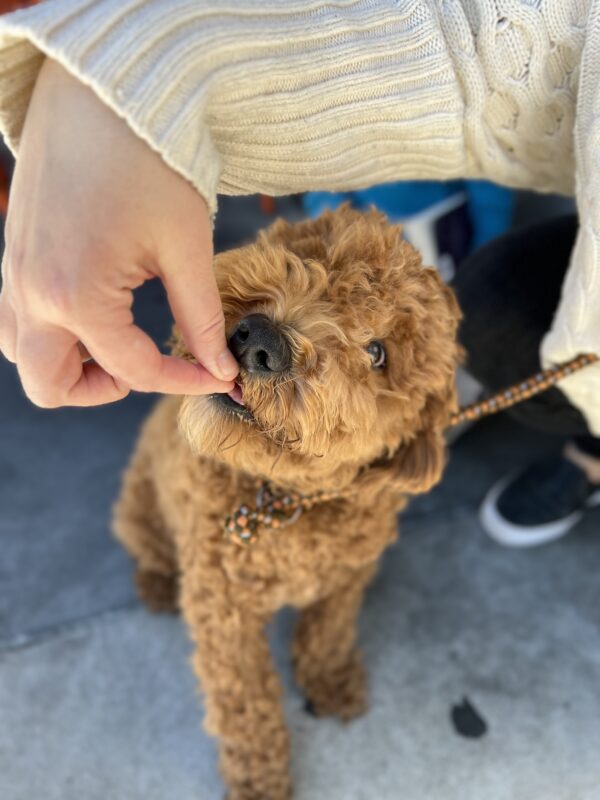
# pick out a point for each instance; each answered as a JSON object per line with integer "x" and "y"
{"x": 259, "y": 346}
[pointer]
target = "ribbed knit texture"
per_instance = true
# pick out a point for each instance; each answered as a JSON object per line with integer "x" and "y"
{"x": 283, "y": 96}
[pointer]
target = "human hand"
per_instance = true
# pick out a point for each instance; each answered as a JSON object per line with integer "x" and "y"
{"x": 93, "y": 213}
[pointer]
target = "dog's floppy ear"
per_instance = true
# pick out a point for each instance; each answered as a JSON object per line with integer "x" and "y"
{"x": 414, "y": 468}
{"x": 418, "y": 465}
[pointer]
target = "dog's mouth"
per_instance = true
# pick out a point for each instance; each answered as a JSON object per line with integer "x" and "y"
{"x": 233, "y": 402}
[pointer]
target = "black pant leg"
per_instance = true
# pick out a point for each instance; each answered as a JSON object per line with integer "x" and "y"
{"x": 509, "y": 291}
{"x": 590, "y": 445}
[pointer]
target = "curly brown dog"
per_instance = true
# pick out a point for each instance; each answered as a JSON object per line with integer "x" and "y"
{"x": 347, "y": 354}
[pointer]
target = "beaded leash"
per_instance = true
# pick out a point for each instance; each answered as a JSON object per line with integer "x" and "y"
{"x": 521, "y": 391}
{"x": 275, "y": 511}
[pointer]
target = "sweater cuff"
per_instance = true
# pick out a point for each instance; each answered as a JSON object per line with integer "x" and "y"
{"x": 127, "y": 52}
{"x": 272, "y": 96}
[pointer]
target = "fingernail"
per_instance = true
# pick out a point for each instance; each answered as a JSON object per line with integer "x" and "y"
{"x": 227, "y": 367}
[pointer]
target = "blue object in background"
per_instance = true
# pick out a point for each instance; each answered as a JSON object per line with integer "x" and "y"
{"x": 489, "y": 208}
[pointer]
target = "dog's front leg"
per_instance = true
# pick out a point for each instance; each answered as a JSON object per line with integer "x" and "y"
{"x": 326, "y": 661}
{"x": 241, "y": 688}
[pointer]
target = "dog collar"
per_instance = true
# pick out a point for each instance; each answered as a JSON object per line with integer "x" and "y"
{"x": 273, "y": 510}
{"x": 278, "y": 510}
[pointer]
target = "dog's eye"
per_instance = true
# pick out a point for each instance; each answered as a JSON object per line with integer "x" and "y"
{"x": 377, "y": 352}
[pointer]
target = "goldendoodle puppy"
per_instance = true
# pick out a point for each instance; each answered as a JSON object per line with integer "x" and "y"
{"x": 347, "y": 354}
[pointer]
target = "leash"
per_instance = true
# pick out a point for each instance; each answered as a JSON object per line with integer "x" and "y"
{"x": 524, "y": 390}
{"x": 275, "y": 510}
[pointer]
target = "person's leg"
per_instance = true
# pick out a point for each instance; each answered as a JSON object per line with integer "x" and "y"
{"x": 509, "y": 291}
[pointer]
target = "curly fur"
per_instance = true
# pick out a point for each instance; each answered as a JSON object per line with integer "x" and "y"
{"x": 332, "y": 285}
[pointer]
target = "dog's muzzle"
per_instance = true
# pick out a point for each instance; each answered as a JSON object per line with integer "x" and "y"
{"x": 259, "y": 346}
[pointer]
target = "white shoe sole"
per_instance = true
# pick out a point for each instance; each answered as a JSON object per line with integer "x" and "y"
{"x": 506, "y": 533}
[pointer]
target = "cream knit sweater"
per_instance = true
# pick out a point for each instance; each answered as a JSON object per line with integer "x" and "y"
{"x": 282, "y": 96}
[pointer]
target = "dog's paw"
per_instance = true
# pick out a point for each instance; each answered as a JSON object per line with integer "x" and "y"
{"x": 157, "y": 591}
{"x": 341, "y": 694}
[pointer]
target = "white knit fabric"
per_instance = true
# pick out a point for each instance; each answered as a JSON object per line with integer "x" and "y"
{"x": 282, "y": 96}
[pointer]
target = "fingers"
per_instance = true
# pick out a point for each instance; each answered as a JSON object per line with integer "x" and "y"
{"x": 196, "y": 305}
{"x": 52, "y": 373}
{"x": 202, "y": 325}
{"x": 56, "y": 368}
{"x": 70, "y": 286}
{"x": 128, "y": 353}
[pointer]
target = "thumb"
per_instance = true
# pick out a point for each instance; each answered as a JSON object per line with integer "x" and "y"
{"x": 196, "y": 305}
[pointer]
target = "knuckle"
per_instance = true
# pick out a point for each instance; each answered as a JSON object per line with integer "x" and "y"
{"x": 14, "y": 278}
{"x": 62, "y": 299}
{"x": 138, "y": 378}
{"x": 6, "y": 349}
{"x": 213, "y": 328}
{"x": 8, "y": 353}
{"x": 122, "y": 391}
{"x": 50, "y": 293}
{"x": 7, "y": 338}
{"x": 142, "y": 384}
{"x": 43, "y": 398}
{"x": 146, "y": 380}
{"x": 142, "y": 372}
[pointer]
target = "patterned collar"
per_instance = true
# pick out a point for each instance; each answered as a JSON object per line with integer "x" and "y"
{"x": 273, "y": 510}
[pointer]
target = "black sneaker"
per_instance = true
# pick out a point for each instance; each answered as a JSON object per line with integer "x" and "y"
{"x": 539, "y": 504}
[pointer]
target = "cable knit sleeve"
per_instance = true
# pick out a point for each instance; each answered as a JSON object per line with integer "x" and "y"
{"x": 576, "y": 326}
{"x": 244, "y": 96}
